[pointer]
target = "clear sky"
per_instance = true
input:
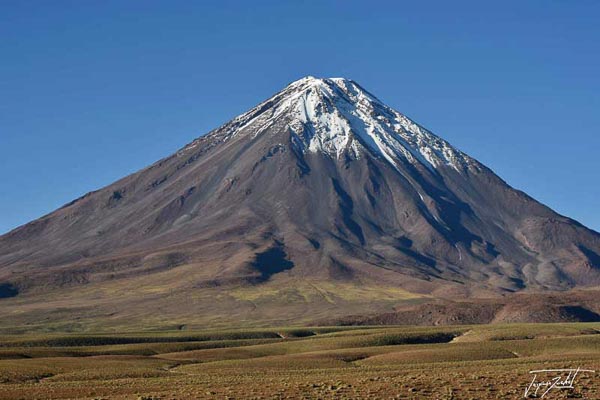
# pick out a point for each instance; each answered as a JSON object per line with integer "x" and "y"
{"x": 91, "y": 91}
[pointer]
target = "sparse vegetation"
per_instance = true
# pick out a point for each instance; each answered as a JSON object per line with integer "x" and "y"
{"x": 479, "y": 362}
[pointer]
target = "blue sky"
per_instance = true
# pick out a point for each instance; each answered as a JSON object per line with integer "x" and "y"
{"x": 92, "y": 91}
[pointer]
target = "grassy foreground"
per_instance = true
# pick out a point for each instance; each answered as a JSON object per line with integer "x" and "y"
{"x": 464, "y": 362}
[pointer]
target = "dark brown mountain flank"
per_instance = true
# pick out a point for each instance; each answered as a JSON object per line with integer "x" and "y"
{"x": 572, "y": 306}
{"x": 320, "y": 201}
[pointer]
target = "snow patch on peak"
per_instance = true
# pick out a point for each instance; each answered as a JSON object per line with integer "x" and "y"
{"x": 308, "y": 78}
{"x": 336, "y": 115}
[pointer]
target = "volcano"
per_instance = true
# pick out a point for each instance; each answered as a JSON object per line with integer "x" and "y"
{"x": 320, "y": 202}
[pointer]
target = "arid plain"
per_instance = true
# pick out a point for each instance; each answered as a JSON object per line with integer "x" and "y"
{"x": 450, "y": 362}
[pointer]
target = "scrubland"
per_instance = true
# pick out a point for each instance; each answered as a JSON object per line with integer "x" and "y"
{"x": 450, "y": 362}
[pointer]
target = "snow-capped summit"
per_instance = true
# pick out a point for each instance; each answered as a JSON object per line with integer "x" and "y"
{"x": 336, "y": 116}
{"x": 276, "y": 214}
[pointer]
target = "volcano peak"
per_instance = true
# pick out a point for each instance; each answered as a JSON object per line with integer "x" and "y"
{"x": 320, "y": 189}
{"x": 337, "y": 117}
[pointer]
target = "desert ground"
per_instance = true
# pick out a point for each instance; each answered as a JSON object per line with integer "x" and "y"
{"x": 449, "y": 362}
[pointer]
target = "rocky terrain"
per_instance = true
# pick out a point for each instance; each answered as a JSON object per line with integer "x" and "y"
{"x": 318, "y": 204}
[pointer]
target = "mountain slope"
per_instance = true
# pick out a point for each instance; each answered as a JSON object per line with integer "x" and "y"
{"x": 322, "y": 183}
